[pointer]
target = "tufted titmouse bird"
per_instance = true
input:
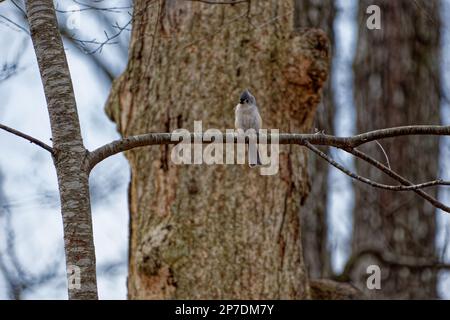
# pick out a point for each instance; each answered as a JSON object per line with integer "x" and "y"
{"x": 247, "y": 117}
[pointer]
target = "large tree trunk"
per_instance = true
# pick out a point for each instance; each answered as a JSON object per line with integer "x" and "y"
{"x": 397, "y": 83}
{"x": 219, "y": 231}
{"x": 317, "y": 14}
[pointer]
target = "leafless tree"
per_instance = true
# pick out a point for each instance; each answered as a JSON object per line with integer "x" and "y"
{"x": 73, "y": 162}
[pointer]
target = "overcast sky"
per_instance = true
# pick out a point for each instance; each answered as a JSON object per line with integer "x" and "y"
{"x": 29, "y": 179}
{"x": 28, "y": 186}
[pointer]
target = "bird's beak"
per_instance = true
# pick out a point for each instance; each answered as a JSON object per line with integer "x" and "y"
{"x": 242, "y": 101}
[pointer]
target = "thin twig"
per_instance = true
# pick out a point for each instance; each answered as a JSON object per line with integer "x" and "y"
{"x": 19, "y": 7}
{"x": 108, "y": 40}
{"x": 436, "y": 203}
{"x": 16, "y": 24}
{"x": 385, "y": 154}
{"x": 88, "y": 7}
{"x": 27, "y": 137}
{"x": 370, "y": 182}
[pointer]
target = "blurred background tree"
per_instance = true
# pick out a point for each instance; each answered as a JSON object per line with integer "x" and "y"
{"x": 176, "y": 75}
{"x": 397, "y": 82}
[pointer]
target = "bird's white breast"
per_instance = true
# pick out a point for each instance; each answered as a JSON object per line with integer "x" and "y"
{"x": 247, "y": 117}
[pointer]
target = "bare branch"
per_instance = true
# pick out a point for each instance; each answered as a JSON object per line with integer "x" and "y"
{"x": 27, "y": 137}
{"x": 284, "y": 138}
{"x": 398, "y": 177}
{"x": 15, "y": 24}
{"x": 347, "y": 144}
{"x": 370, "y": 182}
{"x": 125, "y": 144}
{"x": 385, "y": 154}
{"x": 87, "y": 7}
{"x": 360, "y": 139}
{"x": 108, "y": 39}
{"x": 19, "y": 7}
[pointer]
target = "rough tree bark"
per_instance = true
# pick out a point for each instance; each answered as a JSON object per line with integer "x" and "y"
{"x": 69, "y": 154}
{"x": 317, "y": 14}
{"x": 217, "y": 231}
{"x": 397, "y": 83}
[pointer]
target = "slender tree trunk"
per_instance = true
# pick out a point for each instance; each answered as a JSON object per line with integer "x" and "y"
{"x": 317, "y": 14}
{"x": 397, "y": 83}
{"x": 69, "y": 154}
{"x": 221, "y": 231}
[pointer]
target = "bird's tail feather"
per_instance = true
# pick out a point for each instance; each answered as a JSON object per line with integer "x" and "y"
{"x": 251, "y": 159}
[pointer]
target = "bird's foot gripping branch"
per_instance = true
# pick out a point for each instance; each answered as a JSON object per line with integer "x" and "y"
{"x": 227, "y": 148}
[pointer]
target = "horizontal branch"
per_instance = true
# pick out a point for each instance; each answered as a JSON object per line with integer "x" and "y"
{"x": 125, "y": 144}
{"x": 27, "y": 137}
{"x": 283, "y": 138}
{"x": 308, "y": 140}
{"x": 357, "y": 140}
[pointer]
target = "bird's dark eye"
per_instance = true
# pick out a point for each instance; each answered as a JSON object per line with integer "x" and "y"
{"x": 246, "y": 100}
